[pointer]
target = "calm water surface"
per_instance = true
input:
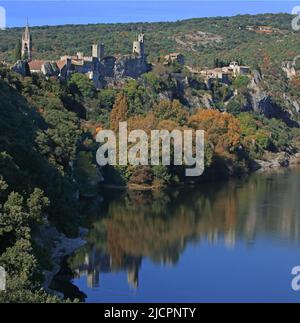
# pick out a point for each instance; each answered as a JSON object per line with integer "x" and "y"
{"x": 233, "y": 241}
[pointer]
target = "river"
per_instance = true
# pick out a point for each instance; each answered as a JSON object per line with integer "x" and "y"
{"x": 218, "y": 242}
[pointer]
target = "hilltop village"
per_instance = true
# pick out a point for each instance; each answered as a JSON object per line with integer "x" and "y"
{"x": 191, "y": 75}
{"x": 98, "y": 67}
{"x": 103, "y": 69}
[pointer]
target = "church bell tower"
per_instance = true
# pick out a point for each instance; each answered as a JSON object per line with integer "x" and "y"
{"x": 27, "y": 44}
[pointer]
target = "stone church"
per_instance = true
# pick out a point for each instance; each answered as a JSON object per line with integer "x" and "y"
{"x": 26, "y": 43}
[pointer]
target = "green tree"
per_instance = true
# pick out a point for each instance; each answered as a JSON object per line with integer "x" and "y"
{"x": 138, "y": 98}
{"x": 25, "y": 56}
{"x": 236, "y": 105}
{"x": 171, "y": 110}
{"x": 80, "y": 84}
{"x": 17, "y": 52}
{"x": 241, "y": 82}
{"x": 101, "y": 106}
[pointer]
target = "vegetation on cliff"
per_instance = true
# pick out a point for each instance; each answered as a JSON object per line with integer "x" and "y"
{"x": 48, "y": 127}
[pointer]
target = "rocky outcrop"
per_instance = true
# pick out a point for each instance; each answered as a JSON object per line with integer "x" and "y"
{"x": 59, "y": 246}
{"x": 116, "y": 70}
{"x": 130, "y": 66}
{"x": 199, "y": 101}
{"x": 289, "y": 69}
{"x": 22, "y": 68}
{"x": 261, "y": 102}
{"x": 256, "y": 78}
{"x": 107, "y": 67}
{"x": 165, "y": 95}
{"x": 293, "y": 102}
{"x": 293, "y": 107}
{"x": 190, "y": 91}
{"x": 275, "y": 160}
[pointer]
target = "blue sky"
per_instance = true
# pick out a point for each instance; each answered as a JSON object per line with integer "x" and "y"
{"x": 42, "y": 12}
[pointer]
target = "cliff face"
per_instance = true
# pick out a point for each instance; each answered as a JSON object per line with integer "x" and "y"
{"x": 130, "y": 66}
{"x": 257, "y": 97}
{"x": 107, "y": 66}
{"x": 289, "y": 69}
{"x": 262, "y": 102}
{"x": 112, "y": 69}
{"x": 186, "y": 89}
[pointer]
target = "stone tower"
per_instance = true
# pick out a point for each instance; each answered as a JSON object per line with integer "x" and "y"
{"x": 27, "y": 43}
{"x": 98, "y": 51}
{"x": 139, "y": 46}
{"x": 95, "y": 50}
{"x": 102, "y": 51}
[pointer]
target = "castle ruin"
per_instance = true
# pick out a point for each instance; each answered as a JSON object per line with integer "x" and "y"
{"x": 98, "y": 67}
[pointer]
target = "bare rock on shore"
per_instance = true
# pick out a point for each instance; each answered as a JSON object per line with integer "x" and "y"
{"x": 275, "y": 160}
{"x": 59, "y": 246}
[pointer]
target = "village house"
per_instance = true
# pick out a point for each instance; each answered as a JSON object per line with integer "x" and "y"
{"x": 235, "y": 69}
{"x": 174, "y": 57}
{"x": 222, "y": 74}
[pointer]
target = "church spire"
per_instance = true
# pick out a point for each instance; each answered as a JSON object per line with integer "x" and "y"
{"x": 26, "y": 43}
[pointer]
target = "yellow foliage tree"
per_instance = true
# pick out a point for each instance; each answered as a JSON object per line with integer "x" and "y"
{"x": 146, "y": 123}
{"x": 221, "y": 129}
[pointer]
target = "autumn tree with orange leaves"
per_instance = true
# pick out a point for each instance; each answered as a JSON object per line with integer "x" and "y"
{"x": 118, "y": 112}
{"x": 221, "y": 129}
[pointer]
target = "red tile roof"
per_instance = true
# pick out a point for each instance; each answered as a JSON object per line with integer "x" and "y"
{"x": 36, "y": 65}
{"x": 61, "y": 63}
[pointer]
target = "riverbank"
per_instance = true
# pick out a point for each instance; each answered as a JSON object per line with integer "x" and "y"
{"x": 173, "y": 235}
{"x": 275, "y": 160}
{"x": 268, "y": 162}
{"x": 62, "y": 246}
{"x": 58, "y": 246}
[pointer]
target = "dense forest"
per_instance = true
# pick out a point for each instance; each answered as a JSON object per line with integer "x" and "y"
{"x": 201, "y": 40}
{"x": 48, "y": 126}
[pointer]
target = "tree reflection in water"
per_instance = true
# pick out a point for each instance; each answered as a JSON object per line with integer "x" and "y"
{"x": 159, "y": 225}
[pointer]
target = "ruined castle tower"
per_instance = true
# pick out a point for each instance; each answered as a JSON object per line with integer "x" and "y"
{"x": 102, "y": 51}
{"x": 98, "y": 51}
{"x": 139, "y": 46}
{"x": 27, "y": 44}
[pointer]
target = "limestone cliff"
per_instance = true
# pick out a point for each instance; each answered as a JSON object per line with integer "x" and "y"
{"x": 262, "y": 102}
{"x": 130, "y": 66}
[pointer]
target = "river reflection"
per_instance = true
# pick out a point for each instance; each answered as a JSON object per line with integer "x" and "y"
{"x": 233, "y": 241}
